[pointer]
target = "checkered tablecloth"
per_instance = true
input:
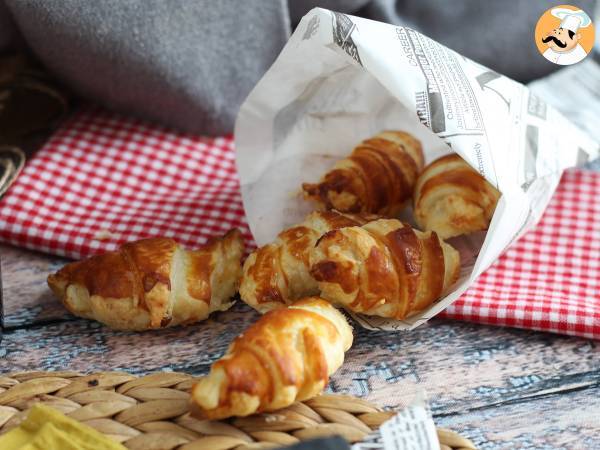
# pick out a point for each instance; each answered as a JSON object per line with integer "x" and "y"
{"x": 550, "y": 278}
{"x": 103, "y": 179}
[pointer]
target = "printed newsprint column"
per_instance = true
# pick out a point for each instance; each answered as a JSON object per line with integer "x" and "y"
{"x": 448, "y": 105}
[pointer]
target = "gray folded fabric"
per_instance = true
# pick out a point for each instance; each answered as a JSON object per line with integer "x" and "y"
{"x": 8, "y": 31}
{"x": 190, "y": 63}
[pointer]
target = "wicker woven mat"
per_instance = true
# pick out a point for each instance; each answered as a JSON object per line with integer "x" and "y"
{"x": 151, "y": 412}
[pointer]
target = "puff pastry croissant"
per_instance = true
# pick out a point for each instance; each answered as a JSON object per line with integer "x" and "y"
{"x": 384, "y": 268}
{"x": 451, "y": 198}
{"x": 285, "y": 357}
{"x": 277, "y": 273}
{"x": 152, "y": 283}
{"x": 378, "y": 177}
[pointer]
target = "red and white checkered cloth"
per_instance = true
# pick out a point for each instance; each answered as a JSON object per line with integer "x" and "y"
{"x": 101, "y": 172}
{"x": 103, "y": 179}
{"x": 550, "y": 278}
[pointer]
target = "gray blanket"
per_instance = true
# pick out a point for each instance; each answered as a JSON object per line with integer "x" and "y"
{"x": 190, "y": 63}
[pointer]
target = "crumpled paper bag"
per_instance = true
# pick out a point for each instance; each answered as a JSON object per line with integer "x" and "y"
{"x": 341, "y": 79}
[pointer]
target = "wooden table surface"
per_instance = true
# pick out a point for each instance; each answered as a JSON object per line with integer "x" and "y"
{"x": 503, "y": 388}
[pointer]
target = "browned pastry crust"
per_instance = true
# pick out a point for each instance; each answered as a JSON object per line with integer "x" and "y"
{"x": 451, "y": 198}
{"x": 378, "y": 177}
{"x": 277, "y": 273}
{"x": 285, "y": 357}
{"x": 152, "y": 283}
{"x": 384, "y": 268}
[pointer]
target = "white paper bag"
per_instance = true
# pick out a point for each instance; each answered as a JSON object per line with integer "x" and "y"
{"x": 341, "y": 79}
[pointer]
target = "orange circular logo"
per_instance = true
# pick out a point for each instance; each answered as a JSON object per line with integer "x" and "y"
{"x": 564, "y": 35}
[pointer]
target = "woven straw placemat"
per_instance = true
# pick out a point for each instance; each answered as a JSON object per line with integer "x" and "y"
{"x": 151, "y": 413}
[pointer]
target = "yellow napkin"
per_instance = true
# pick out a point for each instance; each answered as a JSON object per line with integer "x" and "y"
{"x": 47, "y": 429}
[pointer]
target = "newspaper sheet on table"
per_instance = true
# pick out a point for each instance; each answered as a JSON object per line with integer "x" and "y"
{"x": 411, "y": 429}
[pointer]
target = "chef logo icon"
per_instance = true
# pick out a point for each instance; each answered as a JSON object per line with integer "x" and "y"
{"x": 564, "y": 35}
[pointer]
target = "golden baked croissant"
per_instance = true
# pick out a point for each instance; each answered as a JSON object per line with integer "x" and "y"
{"x": 277, "y": 273}
{"x": 152, "y": 283}
{"x": 451, "y": 198}
{"x": 384, "y": 268}
{"x": 378, "y": 177}
{"x": 285, "y": 357}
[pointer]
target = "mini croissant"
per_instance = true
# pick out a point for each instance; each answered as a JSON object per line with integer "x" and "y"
{"x": 378, "y": 177}
{"x": 451, "y": 198}
{"x": 384, "y": 268}
{"x": 152, "y": 283}
{"x": 277, "y": 273}
{"x": 285, "y": 357}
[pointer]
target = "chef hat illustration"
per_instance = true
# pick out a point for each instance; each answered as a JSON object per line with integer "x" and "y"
{"x": 572, "y": 20}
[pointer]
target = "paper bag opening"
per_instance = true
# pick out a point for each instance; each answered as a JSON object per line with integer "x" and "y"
{"x": 341, "y": 79}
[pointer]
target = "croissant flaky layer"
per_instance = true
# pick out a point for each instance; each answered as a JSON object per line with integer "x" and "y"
{"x": 278, "y": 273}
{"x": 451, "y": 198}
{"x": 384, "y": 268}
{"x": 378, "y": 177}
{"x": 285, "y": 357}
{"x": 152, "y": 283}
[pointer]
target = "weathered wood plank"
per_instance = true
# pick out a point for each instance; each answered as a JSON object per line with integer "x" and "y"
{"x": 26, "y": 298}
{"x": 567, "y": 421}
{"x": 494, "y": 383}
{"x": 466, "y": 365}
{"x": 462, "y": 366}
